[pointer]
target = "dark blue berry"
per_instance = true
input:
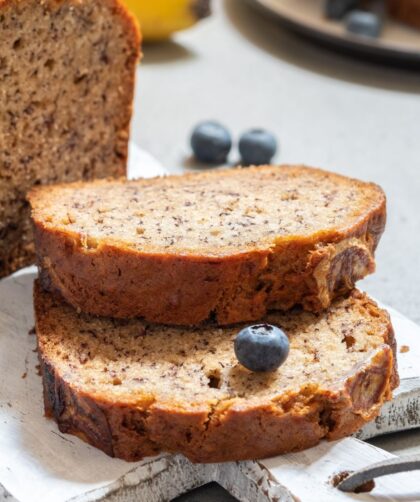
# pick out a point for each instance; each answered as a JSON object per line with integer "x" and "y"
{"x": 257, "y": 147}
{"x": 367, "y": 24}
{"x": 211, "y": 142}
{"x": 337, "y": 9}
{"x": 261, "y": 347}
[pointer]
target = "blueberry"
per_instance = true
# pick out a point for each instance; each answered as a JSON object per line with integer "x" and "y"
{"x": 337, "y": 9}
{"x": 257, "y": 147}
{"x": 211, "y": 142}
{"x": 261, "y": 347}
{"x": 367, "y": 24}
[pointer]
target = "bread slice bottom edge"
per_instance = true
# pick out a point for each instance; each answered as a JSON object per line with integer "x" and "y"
{"x": 129, "y": 421}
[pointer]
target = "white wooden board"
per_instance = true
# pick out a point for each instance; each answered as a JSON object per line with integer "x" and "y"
{"x": 38, "y": 463}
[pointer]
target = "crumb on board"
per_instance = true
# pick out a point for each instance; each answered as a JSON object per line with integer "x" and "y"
{"x": 366, "y": 487}
{"x": 32, "y": 331}
{"x": 339, "y": 477}
{"x": 404, "y": 349}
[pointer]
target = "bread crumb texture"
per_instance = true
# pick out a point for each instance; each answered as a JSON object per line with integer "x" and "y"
{"x": 228, "y": 244}
{"x": 66, "y": 85}
{"x": 209, "y": 214}
{"x": 133, "y": 389}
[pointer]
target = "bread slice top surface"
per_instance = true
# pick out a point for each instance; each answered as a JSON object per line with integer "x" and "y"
{"x": 208, "y": 214}
{"x": 130, "y": 361}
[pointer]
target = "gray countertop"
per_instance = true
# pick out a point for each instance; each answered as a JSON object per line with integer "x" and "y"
{"x": 328, "y": 110}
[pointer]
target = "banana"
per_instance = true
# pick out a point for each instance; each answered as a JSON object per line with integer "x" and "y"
{"x": 160, "y": 18}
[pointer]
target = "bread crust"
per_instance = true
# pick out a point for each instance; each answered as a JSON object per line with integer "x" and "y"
{"x": 229, "y": 429}
{"x": 17, "y": 249}
{"x": 169, "y": 288}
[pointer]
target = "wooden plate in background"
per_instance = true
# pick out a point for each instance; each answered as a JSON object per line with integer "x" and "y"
{"x": 397, "y": 42}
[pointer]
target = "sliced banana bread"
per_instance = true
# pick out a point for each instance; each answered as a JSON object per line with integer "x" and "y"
{"x": 133, "y": 389}
{"x": 230, "y": 244}
{"x": 66, "y": 86}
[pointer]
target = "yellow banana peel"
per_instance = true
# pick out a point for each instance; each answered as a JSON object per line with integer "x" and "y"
{"x": 159, "y": 19}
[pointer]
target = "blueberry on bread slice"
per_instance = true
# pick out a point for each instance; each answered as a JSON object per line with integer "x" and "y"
{"x": 134, "y": 389}
{"x": 67, "y": 71}
{"x": 261, "y": 347}
{"x": 228, "y": 245}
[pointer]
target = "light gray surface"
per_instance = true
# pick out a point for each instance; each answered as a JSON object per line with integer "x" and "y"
{"x": 327, "y": 110}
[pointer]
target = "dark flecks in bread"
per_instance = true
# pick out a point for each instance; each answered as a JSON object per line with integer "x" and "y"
{"x": 66, "y": 86}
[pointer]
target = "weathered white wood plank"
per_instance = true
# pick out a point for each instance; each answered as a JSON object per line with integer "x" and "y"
{"x": 308, "y": 474}
{"x": 39, "y": 463}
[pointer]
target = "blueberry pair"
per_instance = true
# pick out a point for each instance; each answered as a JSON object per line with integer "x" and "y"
{"x": 211, "y": 143}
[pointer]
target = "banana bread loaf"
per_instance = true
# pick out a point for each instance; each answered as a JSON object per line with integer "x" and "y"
{"x": 225, "y": 244}
{"x": 133, "y": 389}
{"x": 407, "y": 11}
{"x": 66, "y": 85}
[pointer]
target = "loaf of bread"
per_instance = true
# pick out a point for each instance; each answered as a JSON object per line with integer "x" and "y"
{"x": 133, "y": 389}
{"x": 407, "y": 11}
{"x": 227, "y": 245}
{"x": 67, "y": 72}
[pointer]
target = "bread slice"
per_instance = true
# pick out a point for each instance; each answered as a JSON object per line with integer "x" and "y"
{"x": 226, "y": 244}
{"x": 66, "y": 85}
{"x": 133, "y": 389}
{"x": 407, "y": 11}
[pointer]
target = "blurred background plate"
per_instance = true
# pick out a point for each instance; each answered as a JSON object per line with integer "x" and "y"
{"x": 397, "y": 43}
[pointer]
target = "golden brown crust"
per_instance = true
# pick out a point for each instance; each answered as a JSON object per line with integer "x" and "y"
{"x": 175, "y": 288}
{"x": 226, "y": 429}
{"x": 48, "y": 135}
{"x": 407, "y": 11}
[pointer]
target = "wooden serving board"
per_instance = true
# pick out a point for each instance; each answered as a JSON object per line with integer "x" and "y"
{"x": 38, "y": 463}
